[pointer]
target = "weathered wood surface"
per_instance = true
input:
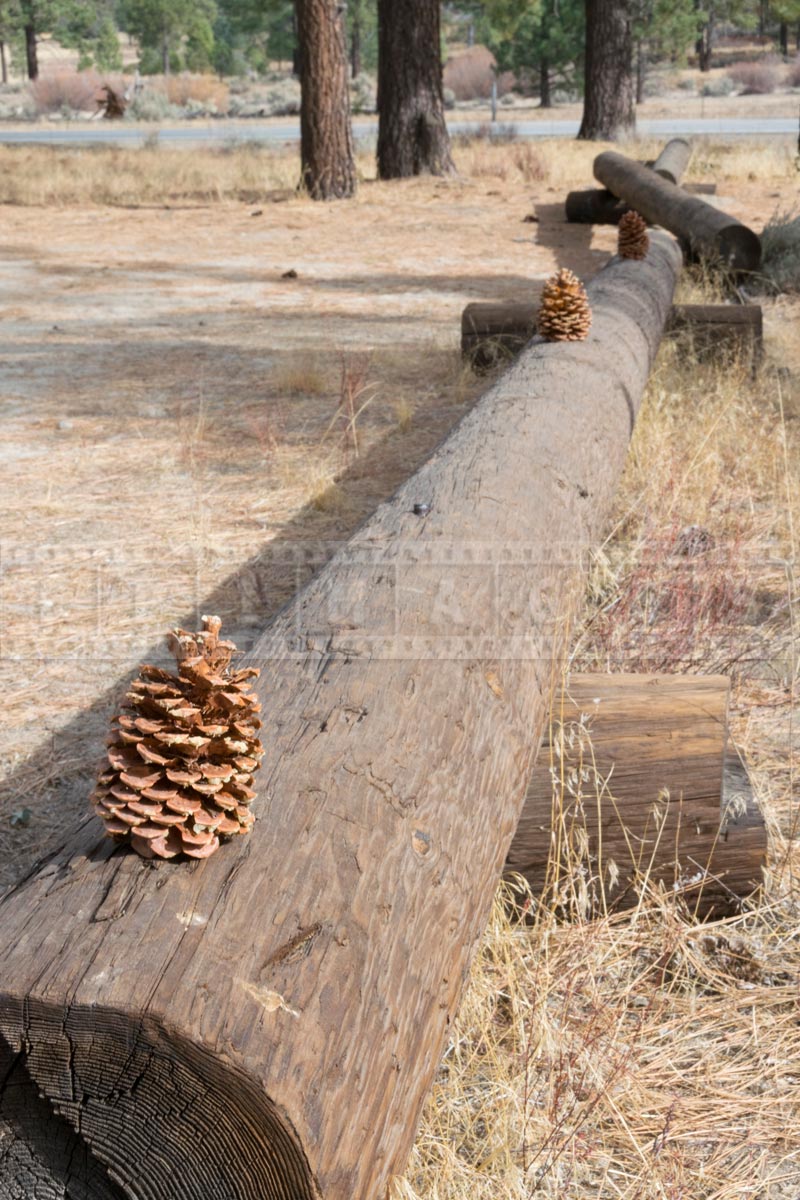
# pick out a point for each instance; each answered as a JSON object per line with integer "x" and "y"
{"x": 599, "y": 206}
{"x": 266, "y": 1023}
{"x": 673, "y": 160}
{"x": 706, "y": 232}
{"x": 491, "y": 332}
{"x": 635, "y": 764}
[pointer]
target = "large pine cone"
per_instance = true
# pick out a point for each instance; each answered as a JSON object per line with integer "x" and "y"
{"x": 633, "y": 240}
{"x": 183, "y": 751}
{"x": 564, "y": 314}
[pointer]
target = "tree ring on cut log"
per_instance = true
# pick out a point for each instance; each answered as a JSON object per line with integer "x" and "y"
{"x": 145, "y": 1115}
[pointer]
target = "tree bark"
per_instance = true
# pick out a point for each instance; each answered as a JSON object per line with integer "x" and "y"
{"x": 706, "y": 232}
{"x": 3, "y": 62}
{"x": 783, "y": 38}
{"x": 633, "y": 769}
{"x": 31, "y": 55}
{"x": 608, "y": 108}
{"x": 326, "y": 138}
{"x": 412, "y": 131}
{"x": 544, "y": 84}
{"x": 355, "y": 37}
{"x": 265, "y": 1025}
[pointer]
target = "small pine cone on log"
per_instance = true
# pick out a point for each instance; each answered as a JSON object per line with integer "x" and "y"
{"x": 182, "y": 752}
{"x": 564, "y": 314}
{"x": 633, "y": 240}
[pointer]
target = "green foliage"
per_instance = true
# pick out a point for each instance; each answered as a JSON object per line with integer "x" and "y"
{"x": 88, "y": 26}
{"x": 180, "y": 31}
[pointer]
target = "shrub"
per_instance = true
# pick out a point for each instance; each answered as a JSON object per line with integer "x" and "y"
{"x": 198, "y": 90}
{"x": 449, "y": 98}
{"x": 283, "y": 99}
{"x": 77, "y": 91}
{"x": 151, "y": 105}
{"x": 363, "y": 94}
{"x": 793, "y": 73}
{"x": 780, "y": 244}
{"x": 469, "y": 75}
{"x": 722, "y": 85}
{"x": 755, "y": 78}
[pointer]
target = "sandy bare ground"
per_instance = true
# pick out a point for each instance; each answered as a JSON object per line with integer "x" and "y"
{"x": 172, "y": 430}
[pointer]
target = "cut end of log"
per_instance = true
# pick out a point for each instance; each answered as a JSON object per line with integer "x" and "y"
{"x": 135, "y": 1112}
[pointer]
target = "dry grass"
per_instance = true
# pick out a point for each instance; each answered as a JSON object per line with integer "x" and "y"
{"x": 256, "y": 173}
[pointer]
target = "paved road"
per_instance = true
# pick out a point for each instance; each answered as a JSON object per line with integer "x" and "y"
{"x": 196, "y": 132}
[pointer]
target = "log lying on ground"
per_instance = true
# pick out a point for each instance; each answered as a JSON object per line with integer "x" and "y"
{"x": 266, "y": 1023}
{"x": 633, "y": 767}
{"x": 705, "y": 231}
{"x": 492, "y": 332}
{"x": 599, "y": 206}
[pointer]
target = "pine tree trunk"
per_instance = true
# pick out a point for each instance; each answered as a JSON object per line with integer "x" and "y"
{"x": 783, "y": 37}
{"x": 355, "y": 38}
{"x": 544, "y": 85}
{"x": 412, "y": 132}
{"x": 31, "y": 56}
{"x": 641, "y": 71}
{"x": 3, "y": 63}
{"x": 608, "y": 110}
{"x": 326, "y": 138}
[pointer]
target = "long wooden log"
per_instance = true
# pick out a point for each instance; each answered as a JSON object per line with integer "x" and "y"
{"x": 631, "y": 782}
{"x": 706, "y": 231}
{"x": 599, "y": 206}
{"x": 266, "y": 1023}
{"x": 493, "y": 332}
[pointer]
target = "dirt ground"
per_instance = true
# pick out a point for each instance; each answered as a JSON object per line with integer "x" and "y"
{"x": 173, "y": 429}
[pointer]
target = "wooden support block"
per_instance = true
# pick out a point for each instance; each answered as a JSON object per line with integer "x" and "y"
{"x": 713, "y": 329}
{"x": 493, "y": 332}
{"x": 636, "y": 769}
{"x": 266, "y": 1024}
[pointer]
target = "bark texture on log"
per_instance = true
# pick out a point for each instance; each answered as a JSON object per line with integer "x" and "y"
{"x": 634, "y": 764}
{"x": 706, "y": 232}
{"x": 491, "y": 332}
{"x": 328, "y": 169}
{"x": 599, "y": 206}
{"x": 412, "y": 130}
{"x": 673, "y": 160}
{"x": 265, "y": 1024}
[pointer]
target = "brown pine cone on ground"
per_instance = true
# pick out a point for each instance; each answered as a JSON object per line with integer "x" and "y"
{"x": 633, "y": 240}
{"x": 564, "y": 314}
{"x": 182, "y": 753}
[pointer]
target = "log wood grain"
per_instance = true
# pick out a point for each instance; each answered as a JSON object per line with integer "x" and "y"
{"x": 706, "y": 232}
{"x": 265, "y": 1025}
{"x": 599, "y": 206}
{"x": 636, "y": 765}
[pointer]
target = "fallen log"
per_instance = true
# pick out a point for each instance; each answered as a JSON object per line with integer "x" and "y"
{"x": 706, "y": 232}
{"x": 630, "y": 784}
{"x": 265, "y": 1024}
{"x": 673, "y": 160}
{"x": 599, "y": 206}
{"x": 493, "y": 332}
